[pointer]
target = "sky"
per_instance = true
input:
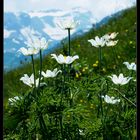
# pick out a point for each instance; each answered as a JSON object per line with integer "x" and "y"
{"x": 96, "y": 6}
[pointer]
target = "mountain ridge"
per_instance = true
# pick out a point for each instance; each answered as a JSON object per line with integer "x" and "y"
{"x": 43, "y": 26}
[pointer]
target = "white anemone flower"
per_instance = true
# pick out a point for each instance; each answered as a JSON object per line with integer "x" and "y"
{"x": 50, "y": 73}
{"x": 113, "y": 35}
{"x": 28, "y": 51}
{"x": 64, "y": 59}
{"x": 38, "y": 44}
{"x": 34, "y": 45}
{"x": 29, "y": 80}
{"x": 14, "y": 100}
{"x": 111, "y": 43}
{"x": 67, "y": 23}
{"x": 42, "y": 44}
{"x": 121, "y": 80}
{"x": 97, "y": 42}
{"x": 107, "y": 37}
{"x": 131, "y": 66}
{"x": 104, "y": 40}
{"x": 110, "y": 100}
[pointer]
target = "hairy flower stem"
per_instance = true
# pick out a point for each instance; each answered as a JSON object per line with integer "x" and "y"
{"x": 34, "y": 89}
{"x": 33, "y": 70}
{"x": 69, "y": 53}
{"x": 69, "y": 41}
{"x": 100, "y": 94}
{"x": 100, "y": 57}
{"x": 61, "y": 102}
{"x": 40, "y": 116}
{"x": 125, "y": 97}
{"x": 63, "y": 83}
{"x": 40, "y": 68}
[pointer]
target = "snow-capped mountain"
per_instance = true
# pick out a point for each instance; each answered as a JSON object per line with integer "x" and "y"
{"x": 43, "y": 24}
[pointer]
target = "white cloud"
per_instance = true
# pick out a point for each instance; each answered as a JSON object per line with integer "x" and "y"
{"x": 28, "y": 5}
{"x": 99, "y": 8}
{"x": 102, "y": 8}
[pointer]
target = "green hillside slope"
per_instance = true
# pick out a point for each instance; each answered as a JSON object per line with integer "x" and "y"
{"x": 125, "y": 25}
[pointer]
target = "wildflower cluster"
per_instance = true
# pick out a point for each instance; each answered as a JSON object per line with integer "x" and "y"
{"x": 106, "y": 40}
{"x": 110, "y": 100}
{"x": 81, "y": 107}
{"x": 34, "y": 45}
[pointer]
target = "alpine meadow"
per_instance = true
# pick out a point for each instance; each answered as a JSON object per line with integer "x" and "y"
{"x": 83, "y": 90}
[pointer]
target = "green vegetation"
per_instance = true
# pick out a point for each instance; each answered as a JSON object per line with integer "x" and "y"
{"x": 72, "y": 109}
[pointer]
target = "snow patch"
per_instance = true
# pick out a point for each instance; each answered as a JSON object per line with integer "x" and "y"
{"x": 42, "y": 14}
{"x": 15, "y": 41}
{"x": 7, "y": 33}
